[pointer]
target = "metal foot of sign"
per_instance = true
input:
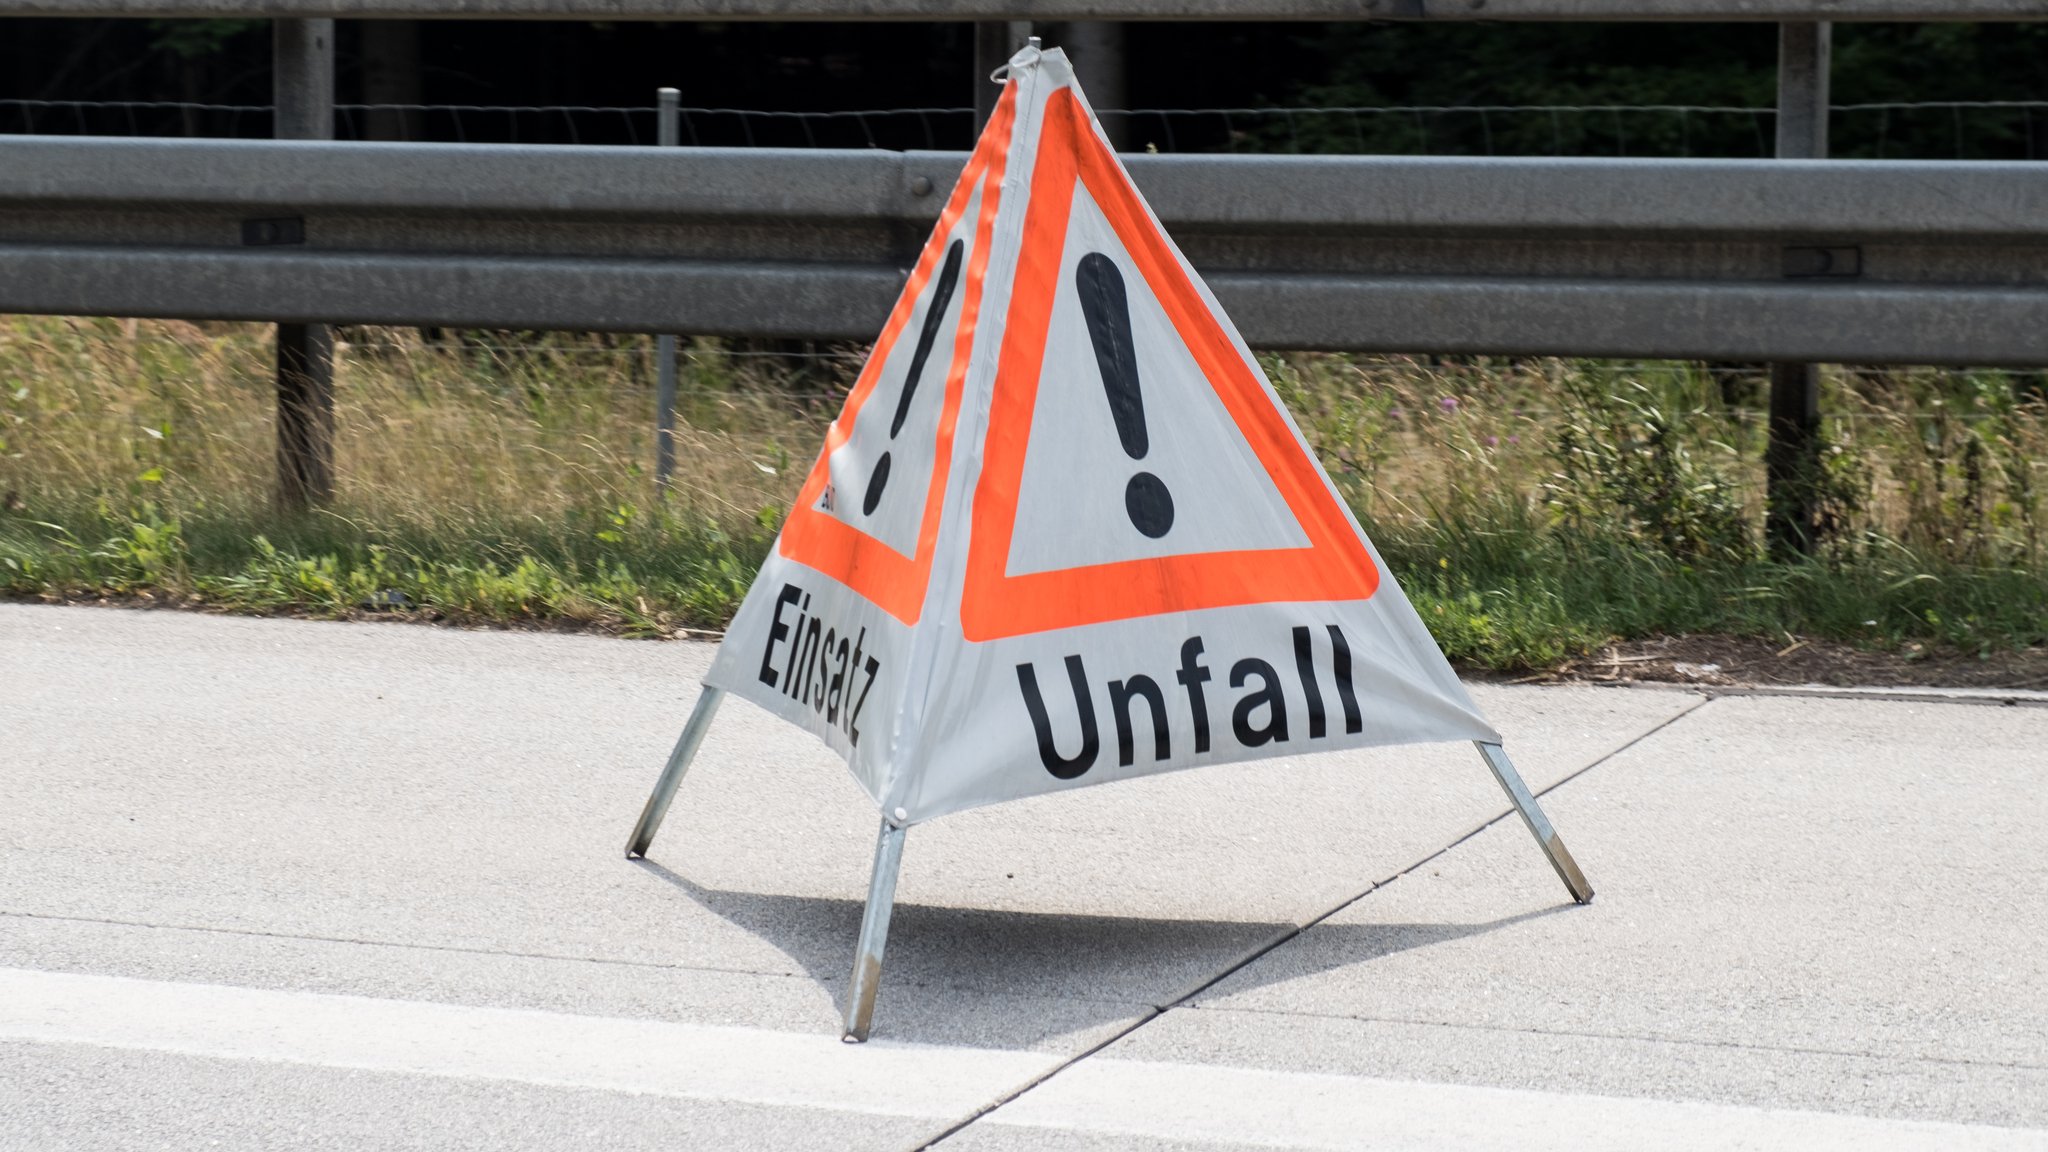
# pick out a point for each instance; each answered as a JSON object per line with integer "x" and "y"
{"x": 874, "y": 935}
{"x": 672, "y": 774}
{"x": 874, "y": 922}
{"x": 1539, "y": 824}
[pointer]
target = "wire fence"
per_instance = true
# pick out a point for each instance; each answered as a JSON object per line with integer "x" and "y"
{"x": 804, "y": 370}
{"x": 1974, "y": 130}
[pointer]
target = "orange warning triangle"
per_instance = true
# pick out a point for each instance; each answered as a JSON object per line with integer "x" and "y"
{"x": 1325, "y": 560}
{"x": 848, "y": 521}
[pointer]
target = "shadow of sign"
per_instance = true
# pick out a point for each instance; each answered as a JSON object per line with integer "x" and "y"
{"x": 984, "y": 977}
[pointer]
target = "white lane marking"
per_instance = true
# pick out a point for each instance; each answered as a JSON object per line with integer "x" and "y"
{"x": 1311, "y": 1110}
{"x": 1103, "y": 1096}
{"x": 651, "y": 1057}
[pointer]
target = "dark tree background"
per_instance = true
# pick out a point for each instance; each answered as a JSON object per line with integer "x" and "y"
{"x": 840, "y": 67}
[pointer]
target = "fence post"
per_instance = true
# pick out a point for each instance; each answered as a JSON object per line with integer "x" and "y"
{"x": 667, "y": 135}
{"x": 302, "y": 55}
{"x": 1792, "y": 454}
{"x": 391, "y": 75}
{"x": 995, "y": 41}
{"x": 1097, "y": 49}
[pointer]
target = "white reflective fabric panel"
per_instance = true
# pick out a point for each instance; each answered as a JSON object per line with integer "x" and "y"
{"x": 1071, "y": 511}
{"x": 881, "y": 475}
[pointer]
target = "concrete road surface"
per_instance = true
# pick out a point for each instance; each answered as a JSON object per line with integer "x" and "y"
{"x": 274, "y": 884}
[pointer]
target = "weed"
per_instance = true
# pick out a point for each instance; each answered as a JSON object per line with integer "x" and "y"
{"x": 1628, "y": 464}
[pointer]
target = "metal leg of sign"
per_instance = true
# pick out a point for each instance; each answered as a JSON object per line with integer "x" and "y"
{"x": 672, "y": 774}
{"x": 874, "y": 934}
{"x": 1539, "y": 824}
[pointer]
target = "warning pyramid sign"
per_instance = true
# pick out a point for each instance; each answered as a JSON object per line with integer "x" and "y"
{"x": 1064, "y": 531}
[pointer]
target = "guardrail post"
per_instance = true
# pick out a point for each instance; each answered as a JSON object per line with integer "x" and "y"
{"x": 667, "y": 134}
{"x": 302, "y": 53}
{"x": 1792, "y": 454}
{"x": 995, "y": 41}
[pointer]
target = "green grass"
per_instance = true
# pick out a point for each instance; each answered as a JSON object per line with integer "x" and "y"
{"x": 1534, "y": 510}
{"x": 1509, "y": 597}
{"x": 635, "y": 574}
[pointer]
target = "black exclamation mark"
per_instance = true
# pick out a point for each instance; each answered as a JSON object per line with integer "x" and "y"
{"x": 1108, "y": 312}
{"x": 934, "y": 312}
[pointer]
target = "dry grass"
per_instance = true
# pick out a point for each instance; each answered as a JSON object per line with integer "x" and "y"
{"x": 428, "y": 433}
{"x": 1952, "y": 465}
{"x": 1533, "y": 508}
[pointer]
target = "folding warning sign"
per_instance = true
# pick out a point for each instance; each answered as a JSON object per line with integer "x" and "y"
{"x": 1064, "y": 531}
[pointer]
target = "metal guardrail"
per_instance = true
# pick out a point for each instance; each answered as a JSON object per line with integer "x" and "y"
{"x": 1768, "y": 11}
{"x": 1973, "y": 129}
{"x": 1789, "y": 261}
{"x": 1903, "y": 261}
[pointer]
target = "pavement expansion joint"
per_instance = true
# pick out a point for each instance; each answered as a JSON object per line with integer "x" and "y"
{"x": 1891, "y": 694}
{"x": 1186, "y": 999}
{"x": 1642, "y": 1037}
{"x": 1982, "y": 697}
{"x": 965, "y": 1122}
{"x": 362, "y": 942}
{"x": 905, "y": 984}
{"x": 1496, "y": 818}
